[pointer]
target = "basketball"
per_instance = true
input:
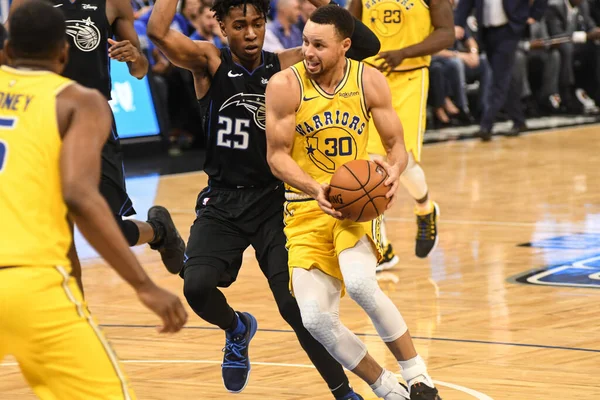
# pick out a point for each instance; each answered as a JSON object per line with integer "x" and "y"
{"x": 358, "y": 192}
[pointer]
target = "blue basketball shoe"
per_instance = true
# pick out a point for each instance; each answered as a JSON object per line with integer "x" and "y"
{"x": 236, "y": 362}
{"x": 351, "y": 395}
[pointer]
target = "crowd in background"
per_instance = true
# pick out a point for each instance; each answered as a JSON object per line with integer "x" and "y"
{"x": 555, "y": 78}
{"x": 562, "y": 78}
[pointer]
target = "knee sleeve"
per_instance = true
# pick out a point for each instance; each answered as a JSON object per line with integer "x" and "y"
{"x": 129, "y": 229}
{"x": 358, "y": 269}
{"x": 198, "y": 283}
{"x": 326, "y": 327}
{"x": 318, "y": 298}
{"x": 413, "y": 179}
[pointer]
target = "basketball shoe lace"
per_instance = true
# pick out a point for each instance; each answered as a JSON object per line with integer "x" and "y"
{"x": 426, "y": 226}
{"x": 233, "y": 352}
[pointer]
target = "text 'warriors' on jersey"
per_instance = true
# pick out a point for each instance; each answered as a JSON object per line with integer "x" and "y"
{"x": 398, "y": 24}
{"x": 33, "y": 227}
{"x": 331, "y": 128}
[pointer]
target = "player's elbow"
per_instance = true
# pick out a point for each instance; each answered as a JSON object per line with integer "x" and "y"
{"x": 76, "y": 195}
{"x": 155, "y": 32}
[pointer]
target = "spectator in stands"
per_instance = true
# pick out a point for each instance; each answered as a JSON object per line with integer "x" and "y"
{"x": 572, "y": 18}
{"x": 3, "y": 36}
{"x": 285, "y": 27}
{"x": 444, "y": 82}
{"x": 206, "y": 26}
{"x": 501, "y": 25}
{"x": 544, "y": 61}
{"x": 306, "y": 8}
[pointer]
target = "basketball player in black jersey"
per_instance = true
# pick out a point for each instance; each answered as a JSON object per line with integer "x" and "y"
{"x": 91, "y": 25}
{"x": 243, "y": 204}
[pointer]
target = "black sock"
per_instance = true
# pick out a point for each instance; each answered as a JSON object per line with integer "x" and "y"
{"x": 159, "y": 232}
{"x": 341, "y": 390}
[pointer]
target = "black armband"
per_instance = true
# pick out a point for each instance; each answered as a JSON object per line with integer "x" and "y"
{"x": 364, "y": 42}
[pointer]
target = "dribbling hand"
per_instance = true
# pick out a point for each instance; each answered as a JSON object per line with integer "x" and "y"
{"x": 164, "y": 304}
{"x": 393, "y": 172}
{"x": 123, "y": 51}
{"x": 323, "y": 200}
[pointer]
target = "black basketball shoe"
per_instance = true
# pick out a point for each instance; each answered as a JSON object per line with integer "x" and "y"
{"x": 420, "y": 391}
{"x": 427, "y": 232}
{"x": 170, "y": 245}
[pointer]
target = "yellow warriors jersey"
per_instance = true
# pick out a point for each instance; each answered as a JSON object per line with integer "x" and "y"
{"x": 331, "y": 128}
{"x": 398, "y": 24}
{"x": 33, "y": 222}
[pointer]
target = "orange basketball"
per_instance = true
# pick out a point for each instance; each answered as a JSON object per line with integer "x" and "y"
{"x": 358, "y": 192}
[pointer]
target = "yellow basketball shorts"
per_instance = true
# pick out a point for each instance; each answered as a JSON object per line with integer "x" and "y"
{"x": 46, "y": 325}
{"x": 409, "y": 98}
{"x": 315, "y": 239}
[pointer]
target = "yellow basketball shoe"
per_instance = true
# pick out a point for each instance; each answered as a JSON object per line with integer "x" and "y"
{"x": 390, "y": 259}
{"x": 427, "y": 231}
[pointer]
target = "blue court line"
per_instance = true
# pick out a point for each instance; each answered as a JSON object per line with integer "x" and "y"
{"x": 537, "y": 346}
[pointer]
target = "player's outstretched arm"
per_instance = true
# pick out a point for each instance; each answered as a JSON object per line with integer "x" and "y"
{"x": 127, "y": 46}
{"x": 179, "y": 49}
{"x": 282, "y": 101}
{"x": 364, "y": 43}
{"x": 442, "y": 37}
{"x": 85, "y": 123}
{"x": 379, "y": 102}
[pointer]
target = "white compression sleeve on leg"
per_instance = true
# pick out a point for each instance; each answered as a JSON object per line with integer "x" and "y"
{"x": 358, "y": 269}
{"x": 413, "y": 179}
{"x": 318, "y": 296}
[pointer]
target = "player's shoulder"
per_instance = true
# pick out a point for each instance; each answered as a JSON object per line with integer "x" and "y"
{"x": 75, "y": 97}
{"x": 372, "y": 76}
{"x": 283, "y": 79}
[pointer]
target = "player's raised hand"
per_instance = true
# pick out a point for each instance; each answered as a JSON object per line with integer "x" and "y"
{"x": 323, "y": 200}
{"x": 391, "y": 181}
{"x": 164, "y": 304}
{"x": 123, "y": 51}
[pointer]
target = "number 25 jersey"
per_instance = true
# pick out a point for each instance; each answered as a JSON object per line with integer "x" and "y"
{"x": 331, "y": 128}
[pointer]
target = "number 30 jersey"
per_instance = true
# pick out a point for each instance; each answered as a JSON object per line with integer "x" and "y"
{"x": 331, "y": 128}
{"x": 236, "y": 144}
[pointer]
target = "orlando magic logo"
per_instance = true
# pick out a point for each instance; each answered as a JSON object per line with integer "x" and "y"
{"x": 85, "y": 34}
{"x": 255, "y": 103}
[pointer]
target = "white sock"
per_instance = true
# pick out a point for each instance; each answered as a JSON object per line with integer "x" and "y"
{"x": 415, "y": 370}
{"x": 387, "y": 387}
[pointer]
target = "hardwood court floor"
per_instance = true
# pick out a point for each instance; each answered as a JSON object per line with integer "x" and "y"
{"x": 481, "y": 334}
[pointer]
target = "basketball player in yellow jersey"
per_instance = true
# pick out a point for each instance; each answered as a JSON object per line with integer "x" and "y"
{"x": 317, "y": 114}
{"x": 409, "y": 32}
{"x": 51, "y": 135}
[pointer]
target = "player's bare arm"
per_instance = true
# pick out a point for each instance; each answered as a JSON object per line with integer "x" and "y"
{"x": 282, "y": 101}
{"x": 379, "y": 102}
{"x": 364, "y": 43}
{"x": 442, "y": 37}
{"x": 195, "y": 56}
{"x": 85, "y": 122}
{"x": 127, "y": 46}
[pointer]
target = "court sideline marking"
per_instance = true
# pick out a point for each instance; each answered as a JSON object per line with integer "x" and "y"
{"x": 469, "y": 391}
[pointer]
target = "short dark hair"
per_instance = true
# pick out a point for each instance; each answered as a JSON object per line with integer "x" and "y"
{"x": 221, "y": 7}
{"x": 36, "y": 29}
{"x": 337, "y": 16}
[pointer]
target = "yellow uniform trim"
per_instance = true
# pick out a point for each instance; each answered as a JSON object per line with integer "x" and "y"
{"x": 339, "y": 87}
{"x": 299, "y": 79}
{"x": 363, "y": 97}
{"x": 109, "y": 351}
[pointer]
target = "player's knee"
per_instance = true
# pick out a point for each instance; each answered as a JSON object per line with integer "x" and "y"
{"x": 288, "y": 308}
{"x": 322, "y": 325}
{"x": 362, "y": 289}
{"x": 197, "y": 287}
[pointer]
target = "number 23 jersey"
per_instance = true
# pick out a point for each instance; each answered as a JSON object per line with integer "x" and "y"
{"x": 331, "y": 128}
